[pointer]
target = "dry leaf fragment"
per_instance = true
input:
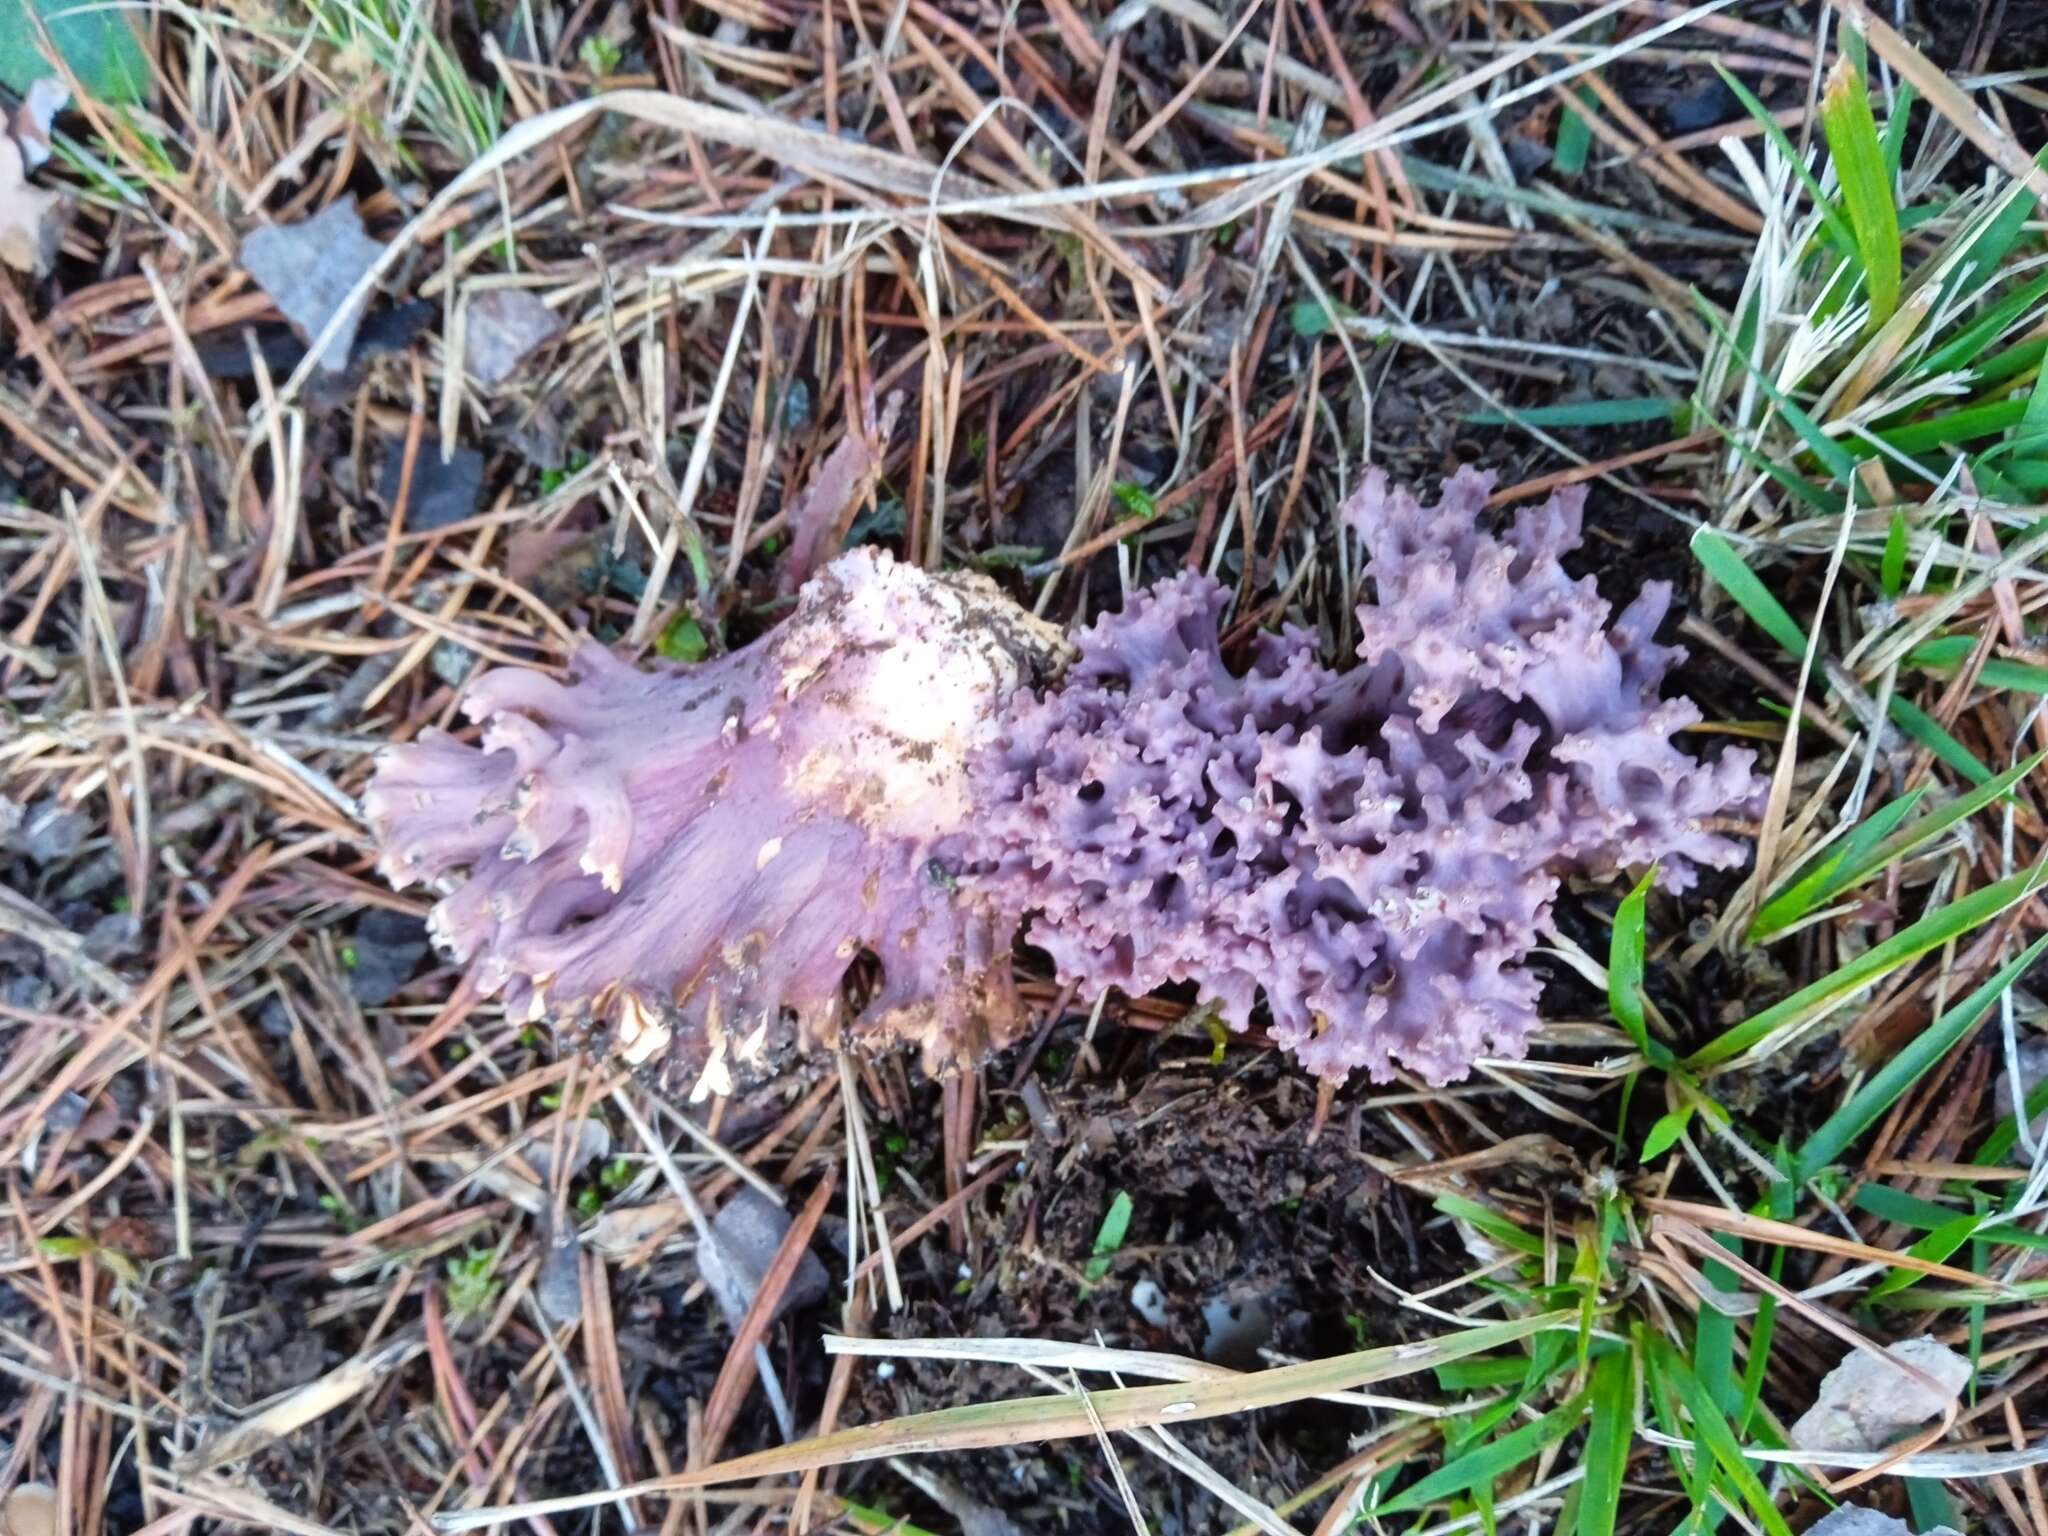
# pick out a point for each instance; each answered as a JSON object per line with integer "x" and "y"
{"x": 1855, "y": 1520}
{"x": 823, "y": 511}
{"x": 36, "y": 115}
{"x": 1868, "y": 1401}
{"x": 746, "y": 1234}
{"x": 559, "y": 1288}
{"x": 442, "y": 491}
{"x": 503, "y": 328}
{"x": 309, "y": 270}
{"x": 31, "y": 217}
{"x": 624, "y": 1229}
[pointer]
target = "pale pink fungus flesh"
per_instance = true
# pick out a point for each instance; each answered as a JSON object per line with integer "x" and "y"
{"x": 684, "y": 859}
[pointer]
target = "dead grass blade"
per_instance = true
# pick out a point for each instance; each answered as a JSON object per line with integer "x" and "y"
{"x": 1020, "y": 1421}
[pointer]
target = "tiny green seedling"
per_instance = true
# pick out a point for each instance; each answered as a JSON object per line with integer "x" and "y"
{"x": 1109, "y": 1237}
{"x": 683, "y": 640}
{"x": 473, "y": 1283}
{"x": 1135, "y": 499}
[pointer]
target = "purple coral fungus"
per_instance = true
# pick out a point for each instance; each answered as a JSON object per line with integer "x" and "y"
{"x": 683, "y": 858}
{"x": 1373, "y": 851}
{"x": 677, "y": 856}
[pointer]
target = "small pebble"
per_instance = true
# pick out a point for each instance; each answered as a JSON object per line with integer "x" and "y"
{"x": 32, "y": 1510}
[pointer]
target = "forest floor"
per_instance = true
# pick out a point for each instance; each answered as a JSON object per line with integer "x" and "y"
{"x": 301, "y": 1234}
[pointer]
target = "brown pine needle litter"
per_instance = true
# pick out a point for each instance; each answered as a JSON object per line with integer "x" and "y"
{"x": 350, "y": 347}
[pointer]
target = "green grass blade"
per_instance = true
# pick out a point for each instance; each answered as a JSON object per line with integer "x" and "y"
{"x": 1892, "y": 572}
{"x": 2002, "y": 1140}
{"x": 1975, "y": 337}
{"x": 1491, "y": 1222}
{"x": 1830, "y": 871}
{"x": 1839, "y": 232}
{"x": 1778, "y": 1204}
{"x": 2034, "y": 421}
{"x": 1695, "y": 1475}
{"x": 2013, "y": 361}
{"x": 1902, "y": 1209}
{"x": 1483, "y": 1375}
{"x": 1873, "y": 846}
{"x": 1894, "y": 135}
{"x": 1859, "y": 160}
{"x": 1610, "y": 1431}
{"x": 1575, "y": 134}
{"x": 1931, "y": 1505}
{"x": 1664, "y": 1132}
{"x": 1886, "y": 1086}
{"x": 1713, "y": 1339}
{"x": 1934, "y": 1248}
{"x": 1484, "y": 1467}
{"x": 1925, "y": 729}
{"x": 1587, "y": 413}
{"x": 1625, "y": 957}
{"x": 1963, "y": 425}
{"x": 1736, "y": 579}
{"x": 1998, "y": 229}
{"x": 878, "y": 1522}
{"x": 1109, "y": 1237}
{"x": 1716, "y": 1436}
{"x": 1932, "y": 825}
{"x": 1930, "y": 932}
{"x": 1948, "y": 652}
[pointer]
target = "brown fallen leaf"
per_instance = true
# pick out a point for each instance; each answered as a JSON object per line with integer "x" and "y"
{"x": 624, "y": 1229}
{"x": 824, "y": 510}
{"x": 31, "y": 217}
{"x": 309, "y": 270}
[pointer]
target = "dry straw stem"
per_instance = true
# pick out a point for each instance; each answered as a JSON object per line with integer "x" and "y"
{"x": 314, "y": 1400}
{"x": 1028, "y": 1420}
{"x": 1058, "y": 1355}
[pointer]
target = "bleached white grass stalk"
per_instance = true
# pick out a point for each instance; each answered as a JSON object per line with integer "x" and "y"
{"x": 1060, "y": 1355}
